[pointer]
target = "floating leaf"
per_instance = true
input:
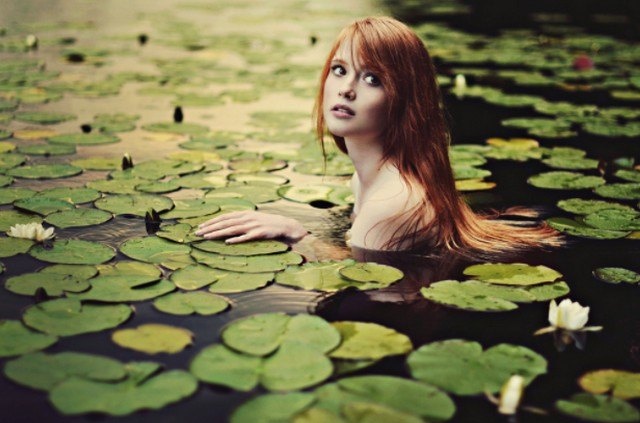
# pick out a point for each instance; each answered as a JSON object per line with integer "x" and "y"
{"x": 131, "y": 268}
{"x": 614, "y": 220}
{"x": 512, "y": 273}
{"x": 576, "y": 228}
{"x": 73, "y": 251}
{"x": 43, "y": 205}
{"x": 201, "y": 181}
{"x": 116, "y": 186}
{"x": 457, "y": 294}
{"x": 312, "y": 193}
{"x": 177, "y": 128}
{"x": 12, "y": 246}
{"x": 153, "y": 338}
{"x": 44, "y": 371}
{"x": 9, "y": 195}
{"x": 549, "y": 291}
{"x": 584, "y": 207}
{"x": 272, "y": 407}
{"x": 158, "y": 187}
{"x": 185, "y": 303}
{"x": 44, "y": 171}
{"x": 78, "y": 218}
{"x": 136, "y": 205}
{"x": 369, "y": 341}
{"x": 248, "y": 264}
{"x": 154, "y": 250}
{"x": 258, "y": 178}
{"x": 598, "y": 408}
{"x": 194, "y": 277}
{"x": 619, "y": 383}
{"x": 84, "y": 139}
{"x": 67, "y": 316}
{"x": 11, "y": 160}
{"x": 141, "y": 390}
{"x": 474, "y": 185}
{"x": 257, "y": 193}
{"x": 231, "y": 282}
{"x": 76, "y": 195}
{"x": 565, "y": 180}
{"x": 250, "y": 248}
{"x": 219, "y": 365}
{"x": 78, "y": 271}
{"x": 256, "y": 165}
{"x": 628, "y": 175}
{"x": 44, "y": 118}
{"x": 573, "y": 163}
{"x": 47, "y": 149}
{"x": 124, "y": 288}
{"x": 461, "y": 367}
{"x": 616, "y": 275}
{"x": 625, "y": 191}
{"x": 182, "y": 233}
{"x": 98, "y": 163}
{"x": 16, "y": 339}
{"x": 371, "y": 272}
{"x": 55, "y": 285}
{"x": 9, "y": 218}
{"x": 192, "y": 208}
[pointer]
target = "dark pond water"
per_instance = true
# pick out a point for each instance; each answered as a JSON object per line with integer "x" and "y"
{"x": 400, "y": 307}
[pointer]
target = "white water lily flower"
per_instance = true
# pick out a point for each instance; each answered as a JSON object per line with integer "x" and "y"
{"x": 568, "y": 315}
{"x": 34, "y": 231}
{"x": 510, "y": 395}
{"x": 459, "y": 85}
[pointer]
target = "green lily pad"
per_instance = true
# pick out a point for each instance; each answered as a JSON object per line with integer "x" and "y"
{"x": 11, "y": 160}
{"x": 262, "y": 334}
{"x": 572, "y": 163}
{"x": 9, "y": 218}
{"x": 43, "y": 205}
{"x": 608, "y": 128}
{"x": 614, "y": 220}
{"x": 78, "y": 217}
{"x": 272, "y": 407}
{"x": 44, "y": 171}
{"x": 98, "y": 163}
{"x": 258, "y": 178}
{"x": 257, "y": 193}
{"x": 115, "y": 122}
{"x": 73, "y": 251}
{"x": 250, "y": 248}
{"x": 584, "y": 207}
{"x": 192, "y": 208}
{"x": 84, "y": 139}
{"x": 549, "y": 291}
{"x": 219, "y": 365}
{"x": 335, "y": 166}
{"x": 185, "y": 303}
{"x": 369, "y": 341}
{"x": 598, "y": 408}
{"x": 16, "y": 339}
{"x": 470, "y": 297}
{"x": 44, "y": 118}
{"x": 468, "y": 172}
{"x": 79, "y": 271}
{"x": 55, "y": 285}
{"x": 116, "y": 186}
{"x": 628, "y": 175}
{"x": 124, "y": 288}
{"x": 575, "y": 228}
{"x": 153, "y": 338}
{"x": 131, "y": 269}
{"x": 371, "y": 272}
{"x": 521, "y": 274}
{"x": 154, "y": 250}
{"x": 47, "y": 149}
{"x": 233, "y": 282}
{"x": 177, "y": 128}
{"x": 616, "y": 275}
{"x": 462, "y": 368}
{"x": 9, "y": 195}
{"x": 248, "y": 264}
{"x": 44, "y": 371}
{"x": 182, "y": 233}
{"x": 141, "y": 390}
{"x": 311, "y": 193}
{"x": 256, "y": 165}
{"x": 619, "y": 383}
{"x": 158, "y": 187}
{"x": 194, "y": 277}
{"x": 157, "y": 169}
{"x": 625, "y": 191}
{"x": 565, "y": 180}
{"x": 136, "y": 205}
{"x": 77, "y": 195}
{"x": 67, "y": 317}
{"x": 202, "y": 181}
{"x": 11, "y": 246}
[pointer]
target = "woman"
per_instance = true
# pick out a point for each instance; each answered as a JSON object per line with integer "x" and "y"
{"x": 380, "y": 102}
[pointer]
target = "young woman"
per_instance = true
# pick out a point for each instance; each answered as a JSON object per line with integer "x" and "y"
{"x": 380, "y": 102}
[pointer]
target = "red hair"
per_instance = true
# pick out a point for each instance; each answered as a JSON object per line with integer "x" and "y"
{"x": 417, "y": 142}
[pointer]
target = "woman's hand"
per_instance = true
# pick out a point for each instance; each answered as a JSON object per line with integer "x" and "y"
{"x": 250, "y": 225}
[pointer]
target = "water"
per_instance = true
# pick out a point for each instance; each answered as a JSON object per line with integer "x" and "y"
{"x": 400, "y": 307}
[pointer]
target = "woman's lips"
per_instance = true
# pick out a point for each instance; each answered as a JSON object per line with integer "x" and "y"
{"x": 342, "y": 111}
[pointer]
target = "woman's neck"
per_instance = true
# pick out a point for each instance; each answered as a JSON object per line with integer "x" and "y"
{"x": 367, "y": 160}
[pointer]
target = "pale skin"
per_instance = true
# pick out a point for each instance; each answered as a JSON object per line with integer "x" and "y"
{"x": 354, "y": 108}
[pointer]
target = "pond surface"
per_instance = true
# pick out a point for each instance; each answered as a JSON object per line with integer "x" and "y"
{"x": 244, "y": 75}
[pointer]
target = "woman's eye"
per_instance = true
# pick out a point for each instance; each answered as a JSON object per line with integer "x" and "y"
{"x": 372, "y": 80}
{"x": 338, "y": 70}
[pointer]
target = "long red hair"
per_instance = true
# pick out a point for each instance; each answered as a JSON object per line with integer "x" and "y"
{"x": 417, "y": 142}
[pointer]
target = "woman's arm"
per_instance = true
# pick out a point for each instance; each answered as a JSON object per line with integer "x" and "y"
{"x": 251, "y": 225}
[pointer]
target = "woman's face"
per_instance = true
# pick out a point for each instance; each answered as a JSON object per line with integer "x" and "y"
{"x": 354, "y": 103}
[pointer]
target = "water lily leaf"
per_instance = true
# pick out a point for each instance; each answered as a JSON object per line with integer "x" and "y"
{"x": 44, "y": 171}
{"x": 16, "y": 339}
{"x": 258, "y": 178}
{"x": 371, "y": 272}
{"x": 157, "y": 169}
{"x": 258, "y": 193}
{"x": 98, "y": 163}
{"x": 442, "y": 364}
{"x": 154, "y": 338}
{"x": 177, "y": 128}
{"x": 213, "y": 140}
{"x": 575, "y": 228}
{"x": 613, "y": 219}
{"x": 256, "y": 165}
{"x": 203, "y": 157}
{"x": 136, "y": 205}
{"x": 115, "y": 122}
{"x": 154, "y": 250}
{"x": 512, "y": 273}
{"x": 9, "y": 218}
{"x": 565, "y": 180}
{"x": 616, "y": 275}
{"x": 322, "y": 276}
{"x": 5, "y": 180}
{"x": 44, "y": 371}
{"x": 33, "y": 134}
{"x": 182, "y": 233}
{"x": 77, "y": 195}
{"x": 275, "y": 119}
{"x": 628, "y": 175}
{"x": 619, "y": 383}
{"x": 9, "y": 195}
{"x": 598, "y": 408}
{"x": 185, "y": 303}
{"x": 158, "y": 187}
{"x": 43, "y": 205}
{"x": 306, "y": 193}
{"x": 124, "y": 288}
{"x": 609, "y": 128}
{"x": 78, "y": 396}
{"x": 67, "y": 316}
{"x": 73, "y": 251}
{"x": 78, "y": 218}
{"x": 250, "y": 248}
{"x": 362, "y": 411}
{"x": 116, "y": 186}
{"x": 248, "y": 264}
{"x": 335, "y": 166}
{"x": 47, "y": 149}
{"x": 194, "y": 277}
{"x": 11, "y": 160}
{"x": 12, "y": 246}
{"x": 232, "y": 282}
{"x": 262, "y": 334}
{"x": 219, "y": 365}
{"x": 79, "y": 271}
{"x": 55, "y": 285}
{"x": 572, "y": 163}
{"x": 192, "y": 208}
{"x": 469, "y": 172}
{"x": 584, "y": 207}
{"x": 469, "y": 297}
{"x": 202, "y": 181}
{"x": 272, "y": 407}
{"x": 369, "y": 341}
{"x": 131, "y": 268}
{"x": 625, "y": 191}
{"x": 474, "y": 185}
{"x": 549, "y": 291}
{"x": 399, "y": 394}
{"x": 84, "y": 139}
{"x": 44, "y": 118}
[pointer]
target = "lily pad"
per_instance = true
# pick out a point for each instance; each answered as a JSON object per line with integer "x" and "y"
{"x": 616, "y": 275}
{"x": 124, "y": 288}
{"x": 369, "y": 341}
{"x": 194, "y": 277}
{"x": 256, "y": 165}
{"x": 565, "y": 180}
{"x": 250, "y": 248}
{"x": 575, "y": 228}
{"x": 141, "y": 390}
{"x": 43, "y": 205}
{"x": 44, "y": 118}
{"x": 628, "y": 175}
{"x": 459, "y": 295}
{"x": 201, "y": 181}
{"x": 262, "y": 334}
{"x": 44, "y": 371}
{"x": 116, "y": 186}
{"x": 154, "y": 250}
{"x": 98, "y": 163}
{"x": 16, "y": 339}
{"x": 624, "y": 191}
{"x": 192, "y": 208}
{"x": 177, "y": 128}
{"x": 154, "y": 338}
{"x": 619, "y": 383}
{"x": 77, "y": 195}
{"x": 248, "y": 264}
{"x": 272, "y": 407}
{"x": 521, "y": 274}
{"x": 136, "y": 205}
{"x": 158, "y": 187}
{"x": 256, "y": 193}
{"x": 182, "y": 233}
{"x": 584, "y": 207}
{"x": 614, "y": 220}
{"x": 78, "y": 218}
{"x": 185, "y": 303}
{"x": 232, "y": 282}
{"x": 258, "y": 177}
{"x": 73, "y": 251}
{"x": 67, "y": 317}
{"x": 130, "y": 269}
{"x": 11, "y": 246}
{"x": 157, "y": 169}
{"x": 79, "y": 271}
{"x": 9, "y": 195}
{"x": 572, "y": 163}
{"x": 462, "y": 368}
{"x": 47, "y": 149}
{"x": 44, "y": 171}
{"x": 598, "y": 408}
{"x": 84, "y": 139}
{"x": 11, "y": 160}
{"x": 55, "y": 285}
{"x": 371, "y": 272}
